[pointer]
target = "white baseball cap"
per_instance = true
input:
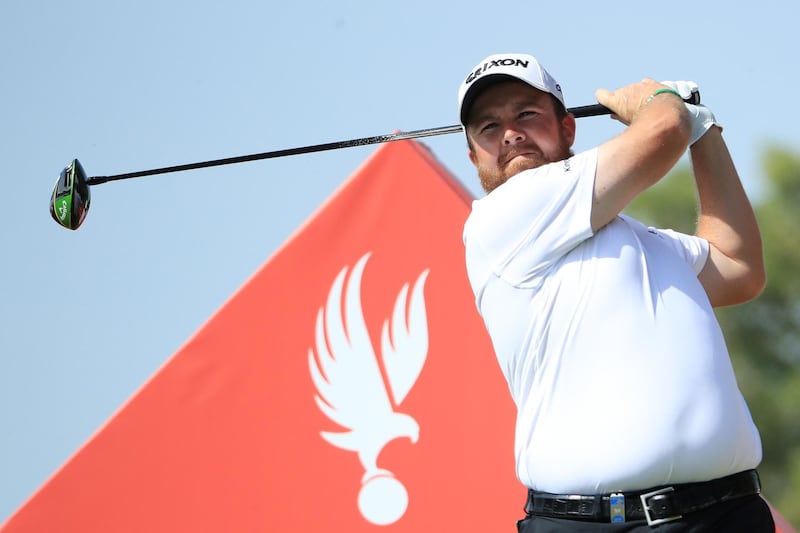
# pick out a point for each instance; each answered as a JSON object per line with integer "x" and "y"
{"x": 494, "y": 68}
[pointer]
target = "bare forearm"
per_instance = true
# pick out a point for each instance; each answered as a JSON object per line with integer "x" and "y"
{"x": 727, "y": 221}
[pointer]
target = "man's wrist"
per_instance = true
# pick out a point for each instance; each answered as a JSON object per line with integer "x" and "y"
{"x": 663, "y": 90}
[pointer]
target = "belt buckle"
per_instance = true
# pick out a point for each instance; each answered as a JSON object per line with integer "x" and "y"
{"x": 646, "y": 508}
{"x": 616, "y": 507}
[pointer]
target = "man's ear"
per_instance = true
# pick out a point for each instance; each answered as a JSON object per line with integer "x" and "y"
{"x": 472, "y": 157}
{"x": 568, "y": 124}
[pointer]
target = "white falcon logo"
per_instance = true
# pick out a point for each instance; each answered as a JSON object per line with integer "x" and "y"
{"x": 351, "y": 389}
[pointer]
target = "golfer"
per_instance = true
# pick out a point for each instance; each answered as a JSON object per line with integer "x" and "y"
{"x": 629, "y": 417}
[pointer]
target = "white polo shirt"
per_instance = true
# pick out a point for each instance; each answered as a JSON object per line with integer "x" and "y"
{"x": 611, "y": 349}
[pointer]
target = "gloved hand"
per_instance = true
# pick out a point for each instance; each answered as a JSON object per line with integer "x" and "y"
{"x": 702, "y": 117}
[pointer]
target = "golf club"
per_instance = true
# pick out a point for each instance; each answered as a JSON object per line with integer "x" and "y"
{"x": 70, "y": 201}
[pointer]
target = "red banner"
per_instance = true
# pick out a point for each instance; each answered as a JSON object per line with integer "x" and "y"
{"x": 348, "y": 385}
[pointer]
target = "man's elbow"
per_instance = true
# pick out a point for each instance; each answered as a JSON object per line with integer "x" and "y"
{"x": 731, "y": 282}
{"x": 746, "y": 288}
{"x": 756, "y": 282}
{"x": 756, "y": 278}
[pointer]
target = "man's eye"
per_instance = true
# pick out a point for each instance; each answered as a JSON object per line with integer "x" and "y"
{"x": 527, "y": 113}
{"x": 489, "y": 126}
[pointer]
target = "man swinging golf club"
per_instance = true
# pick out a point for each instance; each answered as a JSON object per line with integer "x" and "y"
{"x": 629, "y": 415}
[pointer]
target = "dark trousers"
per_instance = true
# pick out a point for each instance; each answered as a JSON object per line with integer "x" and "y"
{"x": 749, "y": 514}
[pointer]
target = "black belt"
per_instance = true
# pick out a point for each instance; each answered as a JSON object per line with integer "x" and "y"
{"x": 656, "y": 505}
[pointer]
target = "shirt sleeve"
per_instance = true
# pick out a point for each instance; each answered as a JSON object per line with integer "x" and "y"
{"x": 694, "y": 250}
{"x": 526, "y": 225}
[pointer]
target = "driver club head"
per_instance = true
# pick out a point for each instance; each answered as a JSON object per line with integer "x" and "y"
{"x": 70, "y": 201}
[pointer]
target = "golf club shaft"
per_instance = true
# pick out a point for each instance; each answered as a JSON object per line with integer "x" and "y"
{"x": 579, "y": 112}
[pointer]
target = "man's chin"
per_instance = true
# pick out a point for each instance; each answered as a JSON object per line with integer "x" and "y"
{"x": 493, "y": 178}
{"x": 521, "y": 163}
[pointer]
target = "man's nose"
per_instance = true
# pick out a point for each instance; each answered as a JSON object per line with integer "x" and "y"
{"x": 513, "y": 136}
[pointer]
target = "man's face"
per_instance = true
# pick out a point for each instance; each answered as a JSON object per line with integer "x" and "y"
{"x": 513, "y": 127}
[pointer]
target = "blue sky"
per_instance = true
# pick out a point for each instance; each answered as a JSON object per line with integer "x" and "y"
{"x": 87, "y": 316}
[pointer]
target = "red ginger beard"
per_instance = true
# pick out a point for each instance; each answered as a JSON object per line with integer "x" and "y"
{"x": 509, "y": 164}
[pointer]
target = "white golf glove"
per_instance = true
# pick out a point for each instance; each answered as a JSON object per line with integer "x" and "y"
{"x": 702, "y": 117}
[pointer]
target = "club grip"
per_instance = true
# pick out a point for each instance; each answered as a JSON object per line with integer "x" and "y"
{"x": 597, "y": 109}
